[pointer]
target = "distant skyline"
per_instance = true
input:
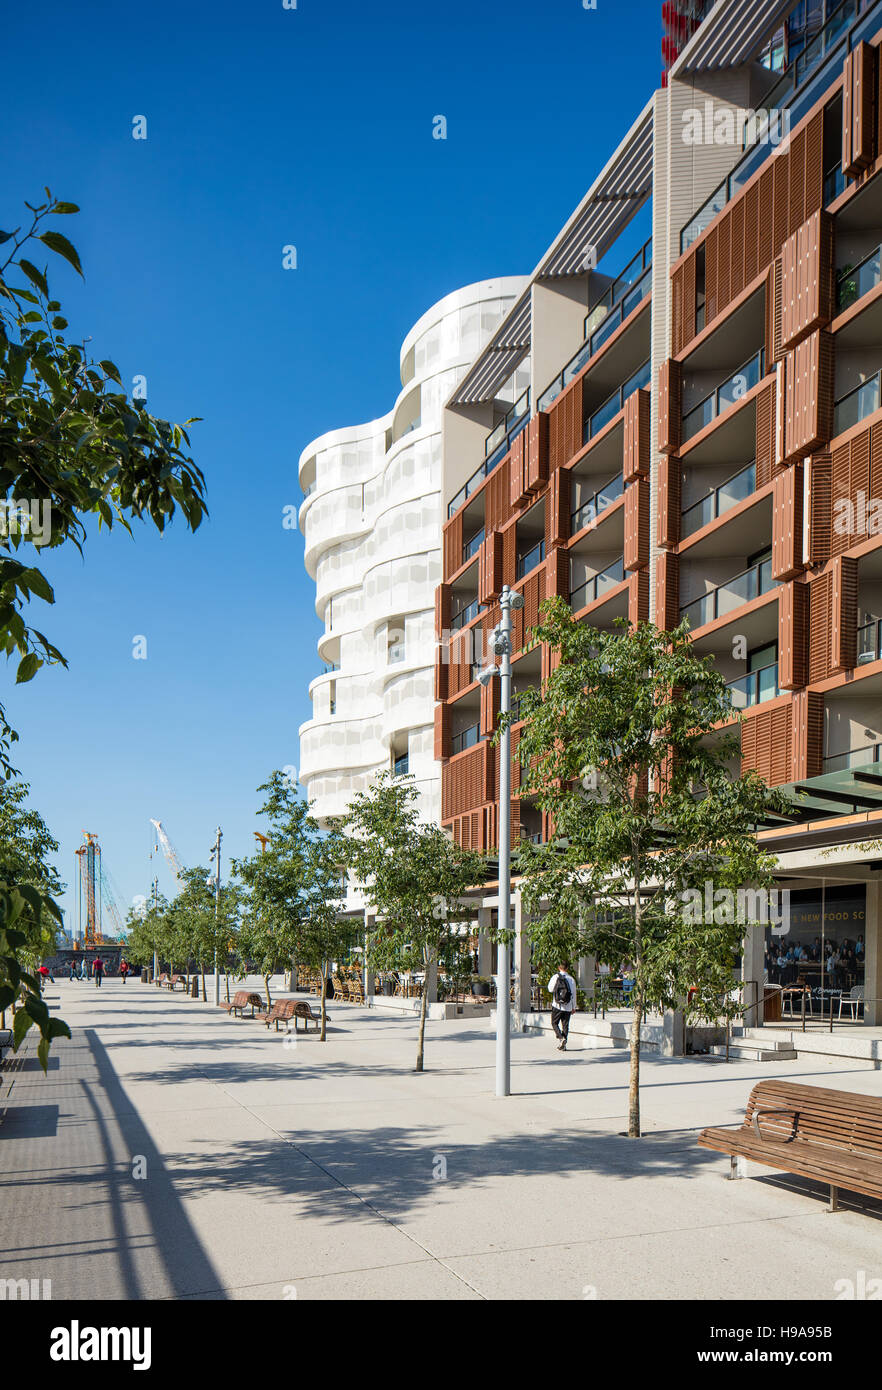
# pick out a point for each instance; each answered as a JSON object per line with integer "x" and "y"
{"x": 266, "y": 127}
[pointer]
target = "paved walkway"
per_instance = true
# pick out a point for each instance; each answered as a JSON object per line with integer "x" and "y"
{"x": 333, "y": 1171}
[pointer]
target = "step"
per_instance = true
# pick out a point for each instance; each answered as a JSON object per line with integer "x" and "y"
{"x": 756, "y": 1052}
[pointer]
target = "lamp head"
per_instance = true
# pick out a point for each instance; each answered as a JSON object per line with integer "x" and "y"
{"x": 515, "y": 600}
{"x": 486, "y": 676}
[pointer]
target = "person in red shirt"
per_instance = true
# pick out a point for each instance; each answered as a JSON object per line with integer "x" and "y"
{"x": 98, "y": 971}
{"x": 124, "y": 969}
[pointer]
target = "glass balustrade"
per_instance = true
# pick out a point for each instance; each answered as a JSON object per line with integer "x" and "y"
{"x": 856, "y": 757}
{"x": 467, "y": 738}
{"x": 855, "y": 281}
{"x": 614, "y": 403}
{"x": 531, "y": 559}
{"x": 857, "y": 404}
{"x": 465, "y": 615}
{"x": 869, "y": 642}
{"x": 604, "y": 497}
{"x": 742, "y": 588}
{"x": 755, "y": 687}
{"x": 595, "y": 587}
{"x": 718, "y": 502}
{"x": 473, "y": 546}
{"x": 732, "y": 390}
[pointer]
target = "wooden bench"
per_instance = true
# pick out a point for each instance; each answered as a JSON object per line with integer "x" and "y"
{"x": 834, "y": 1137}
{"x": 175, "y": 980}
{"x": 160, "y": 981}
{"x": 304, "y": 1011}
{"x": 281, "y": 1012}
{"x": 243, "y": 999}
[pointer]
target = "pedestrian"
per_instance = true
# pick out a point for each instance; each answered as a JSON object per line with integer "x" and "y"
{"x": 43, "y": 975}
{"x": 124, "y": 969}
{"x": 98, "y": 971}
{"x": 562, "y": 988}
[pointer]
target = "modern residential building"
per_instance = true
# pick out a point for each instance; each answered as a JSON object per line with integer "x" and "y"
{"x": 371, "y": 521}
{"x": 701, "y": 437}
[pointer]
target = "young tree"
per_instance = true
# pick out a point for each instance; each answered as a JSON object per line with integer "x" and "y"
{"x": 29, "y": 916}
{"x": 198, "y": 928}
{"x": 623, "y": 748}
{"x": 71, "y": 444}
{"x": 414, "y": 877}
{"x": 290, "y": 908}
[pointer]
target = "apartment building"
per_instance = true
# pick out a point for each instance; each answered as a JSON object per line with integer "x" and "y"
{"x": 701, "y": 437}
{"x": 371, "y": 521}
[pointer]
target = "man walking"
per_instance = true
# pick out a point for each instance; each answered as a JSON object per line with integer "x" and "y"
{"x": 98, "y": 971}
{"x": 562, "y": 988}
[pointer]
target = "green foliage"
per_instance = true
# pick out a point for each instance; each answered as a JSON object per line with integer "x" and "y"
{"x": 70, "y": 442}
{"x": 415, "y": 879}
{"x": 624, "y": 748}
{"x": 22, "y": 909}
{"x": 292, "y": 908}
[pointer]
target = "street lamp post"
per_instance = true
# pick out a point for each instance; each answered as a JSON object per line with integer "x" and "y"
{"x": 155, "y": 904}
{"x": 500, "y": 641}
{"x": 215, "y": 849}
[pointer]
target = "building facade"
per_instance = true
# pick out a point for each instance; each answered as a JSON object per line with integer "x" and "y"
{"x": 371, "y": 521}
{"x": 701, "y": 437}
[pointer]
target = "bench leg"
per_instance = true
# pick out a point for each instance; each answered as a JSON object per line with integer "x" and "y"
{"x": 737, "y": 1167}
{"x": 834, "y": 1200}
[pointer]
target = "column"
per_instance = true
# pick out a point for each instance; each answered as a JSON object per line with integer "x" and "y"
{"x": 431, "y": 983}
{"x": 368, "y": 977}
{"x": 522, "y": 957}
{"x": 485, "y": 951}
{"x": 753, "y": 968}
{"x": 873, "y": 954}
{"x": 674, "y": 1038}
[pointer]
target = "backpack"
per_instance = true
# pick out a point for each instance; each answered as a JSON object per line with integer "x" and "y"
{"x": 562, "y": 992}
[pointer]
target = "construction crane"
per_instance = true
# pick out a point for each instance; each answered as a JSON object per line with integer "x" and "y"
{"x": 108, "y": 898}
{"x": 264, "y": 839}
{"x": 168, "y": 848}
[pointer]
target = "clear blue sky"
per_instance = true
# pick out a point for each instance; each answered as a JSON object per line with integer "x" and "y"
{"x": 265, "y": 127}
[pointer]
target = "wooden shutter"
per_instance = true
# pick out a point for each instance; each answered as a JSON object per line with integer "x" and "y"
{"x": 565, "y": 426}
{"x": 843, "y": 613}
{"x": 766, "y": 744}
{"x": 442, "y": 732}
{"x": 819, "y": 635}
{"x": 774, "y": 309}
{"x": 557, "y": 574}
{"x": 806, "y": 279}
{"x": 638, "y": 597}
{"x": 490, "y": 568}
{"x": 667, "y": 590}
{"x": 859, "y": 99}
{"x": 558, "y": 509}
{"x": 636, "y": 455}
{"x": 808, "y": 735}
{"x": 452, "y": 544}
{"x": 809, "y": 395}
{"x": 792, "y": 641}
{"x": 636, "y": 551}
{"x": 819, "y": 470}
{"x": 669, "y": 492}
{"x": 517, "y": 470}
{"x": 537, "y": 452}
{"x": 670, "y": 406}
{"x": 787, "y": 523}
{"x": 765, "y": 435}
{"x": 683, "y": 305}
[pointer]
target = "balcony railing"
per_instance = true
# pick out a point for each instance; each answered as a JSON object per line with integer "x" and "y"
{"x": 857, "y": 404}
{"x": 466, "y": 614}
{"x": 869, "y": 642}
{"x": 614, "y": 403}
{"x": 400, "y": 767}
{"x": 309, "y": 489}
{"x": 857, "y": 757}
{"x": 796, "y": 91}
{"x": 473, "y": 546}
{"x": 602, "y": 498}
{"x": 597, "y": 585}
{"x": 466, "y": 739}
{"x": 329, "y": 667}
{"x": 728, "y": 394}
{"x": 725, "y": 598}
{"x": 493, "y": 459}
{"x": 856, "y": 281}
{"x": 719, "y": 501}
{"x": 755, "y": 687}
{"x": 507, "y": 426}
{"x": 532, "y": 558}
{"x": 834, "y": 183}
{"x": 618, "y": 302}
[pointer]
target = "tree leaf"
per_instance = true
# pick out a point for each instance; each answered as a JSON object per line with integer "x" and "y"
{"x": 62, "y": 247}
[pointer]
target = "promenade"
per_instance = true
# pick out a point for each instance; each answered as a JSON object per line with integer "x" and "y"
{"x": 175, "y": 1153}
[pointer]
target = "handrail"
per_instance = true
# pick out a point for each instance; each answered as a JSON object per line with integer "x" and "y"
{"x": 604, "y": 497}
{"x": 764, "y": 583}
{"x": 754, "y": 368}
{"x": 610, "y": 408}
{"x": 615, "y": 573}
{"x": 853, "y": 273}
{"x": 715, "y": 496}
{"x": 867, "y": 396}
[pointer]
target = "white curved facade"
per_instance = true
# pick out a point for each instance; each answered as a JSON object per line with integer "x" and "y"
{"x": 371, "y": 524}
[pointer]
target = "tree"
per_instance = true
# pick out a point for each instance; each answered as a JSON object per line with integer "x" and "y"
{"x": 71, "y": 444}
{"x": 145, "y": 927}
{"x": 623, "y": 747}
{"x": 293, "y": 886}
{"x": 414, "y": 877}
{"x": 197, "y": 928}
{"x": 29, "y": 915}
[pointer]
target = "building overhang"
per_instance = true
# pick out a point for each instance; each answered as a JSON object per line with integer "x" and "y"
{"x": 733, "y": 33}
{"x": 618, "y": 192}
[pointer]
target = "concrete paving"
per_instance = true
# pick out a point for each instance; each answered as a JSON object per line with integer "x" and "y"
{"x": 175, "y": 1153}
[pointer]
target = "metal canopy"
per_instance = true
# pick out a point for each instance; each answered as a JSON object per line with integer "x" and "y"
{"x": 618, "y": 192}
{"x": 849, "y": 791}
{"x": 733, "y": 33}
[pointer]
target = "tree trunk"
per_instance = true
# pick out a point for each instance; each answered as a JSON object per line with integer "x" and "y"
{"x": 421, "y": 1041}
{"x": 269, "y": 1002}
{"x": 202, "y": 973}
{"x": 227, "y": 978}
{"x": 637, "y": 1004}
{"x": 324, "y": 1030}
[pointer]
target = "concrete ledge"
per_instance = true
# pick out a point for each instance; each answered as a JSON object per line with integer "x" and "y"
{"x": 586, "y": 1031}
{"x": 386, "y": 1003}
{"x": 853, "y": 1045}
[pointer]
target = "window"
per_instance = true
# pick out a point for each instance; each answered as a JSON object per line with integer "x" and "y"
{"x": 332, "y": 697}
{"x": 400, "y": 765}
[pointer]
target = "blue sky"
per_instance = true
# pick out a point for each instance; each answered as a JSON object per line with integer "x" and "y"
{"x": 265, "y": 127}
